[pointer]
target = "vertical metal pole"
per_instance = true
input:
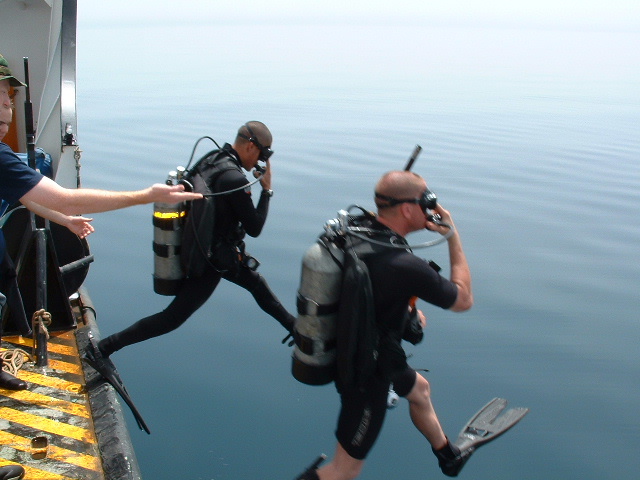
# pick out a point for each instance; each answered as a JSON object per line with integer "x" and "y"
{"x": 28, "y": 119}
{"x": 42, "y": 357}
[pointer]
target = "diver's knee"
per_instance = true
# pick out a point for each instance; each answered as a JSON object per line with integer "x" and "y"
{"x": 421, "y": 389}
{"x": 172, "y": 320}
{"x": 259, "y": 288}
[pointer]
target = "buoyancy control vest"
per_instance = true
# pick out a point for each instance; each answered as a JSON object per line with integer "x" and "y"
{"x": 357, "y": 330}
{"x": 184, "y": 232}
{"x": 197, "y": 237}
{"x": 336, "y": 334}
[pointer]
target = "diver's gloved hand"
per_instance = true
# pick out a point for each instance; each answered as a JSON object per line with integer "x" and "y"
{"x": 413, "y": 331}
{"x": 289, "y": 325}
{"x": 291, "y": 341}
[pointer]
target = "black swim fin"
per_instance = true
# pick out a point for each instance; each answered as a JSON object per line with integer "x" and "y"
{"x": 489, "y": 423}
{"x": 310, "y": 473}
{"x": 105, "y": 367}
{"x": 484, "y": 427}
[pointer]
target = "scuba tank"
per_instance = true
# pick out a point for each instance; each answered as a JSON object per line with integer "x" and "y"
{"x": 330, "y": 330}
{"x": 314, "y": 353}
{"x": 168, "y": 219}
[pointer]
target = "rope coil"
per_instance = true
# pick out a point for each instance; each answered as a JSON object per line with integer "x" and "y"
{"x": 12, "y": 360}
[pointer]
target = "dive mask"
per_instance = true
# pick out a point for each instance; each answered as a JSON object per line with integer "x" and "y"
{"x": 427, "y": 201}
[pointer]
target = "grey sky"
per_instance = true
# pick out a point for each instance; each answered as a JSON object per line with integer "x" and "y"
{"x": 590, "y": 14}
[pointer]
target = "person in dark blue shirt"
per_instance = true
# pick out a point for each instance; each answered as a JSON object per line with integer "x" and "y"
{"x": 81, "y": 226}
{"x": 20, "y": 182}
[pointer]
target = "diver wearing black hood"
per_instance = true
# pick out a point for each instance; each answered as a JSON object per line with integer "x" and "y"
{"x": 235, "y": 215}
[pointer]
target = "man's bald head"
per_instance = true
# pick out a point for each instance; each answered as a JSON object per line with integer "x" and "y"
{"x": 399, "y": 184}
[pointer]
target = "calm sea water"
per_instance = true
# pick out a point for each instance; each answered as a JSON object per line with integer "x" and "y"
{"x": 530, "y": 139}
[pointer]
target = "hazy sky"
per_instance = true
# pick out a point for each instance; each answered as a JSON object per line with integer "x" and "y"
{"x": 599, "y": 14}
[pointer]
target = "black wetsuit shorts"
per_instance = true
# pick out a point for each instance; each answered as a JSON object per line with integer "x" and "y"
{"x": 363, "y": 411}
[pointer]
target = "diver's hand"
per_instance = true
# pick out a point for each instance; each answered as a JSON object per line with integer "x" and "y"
{"x": 288, "y": 338}
{"x": 445, "y": 217}
{"x": 265, "y": 180}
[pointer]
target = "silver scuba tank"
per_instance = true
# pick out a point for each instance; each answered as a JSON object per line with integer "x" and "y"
{"x": 168, "y": 219}
{"x": 314, "y": 353}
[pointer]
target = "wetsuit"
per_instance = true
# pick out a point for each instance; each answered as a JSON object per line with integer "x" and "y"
{"x": 235, "y": 216}
{"x": 16, "y": 180}
{"x": 396, "y": 276}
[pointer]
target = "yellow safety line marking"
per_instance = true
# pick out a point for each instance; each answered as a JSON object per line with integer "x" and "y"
{"x": 90, "y": 459}
{"x": 62, "y": 349}
{"x": 37, "y": 474}
{"x": 51, "y": 347}
{"x": 67, "y": 336}
{"x": 56, "y": 365}
{"x": 53, "y": 382}
{"x": 77, "y": 409}
{"x": 27, "y": 344}
{"x": 65, "y": 366}
{"x": 53, "y": 452}
{"x": 51, "y": 426}
{"x": 20, "y": 340}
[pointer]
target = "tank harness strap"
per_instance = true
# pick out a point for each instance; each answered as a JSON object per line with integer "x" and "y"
{"x": 307, "y": 345}
{"x": 221, "y": 160}
{"x": 306, "y": 306}
{"x": 165, "y": 250}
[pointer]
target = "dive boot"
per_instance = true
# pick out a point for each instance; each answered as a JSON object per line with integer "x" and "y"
{"x": 451, "y": 459}
{"x": 489, "y": 423}
{"x": 311, "y": 472}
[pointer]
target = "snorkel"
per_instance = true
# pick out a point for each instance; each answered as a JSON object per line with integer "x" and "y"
{"x": 345, "y": 223}
{"x": 429, "y": 200}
